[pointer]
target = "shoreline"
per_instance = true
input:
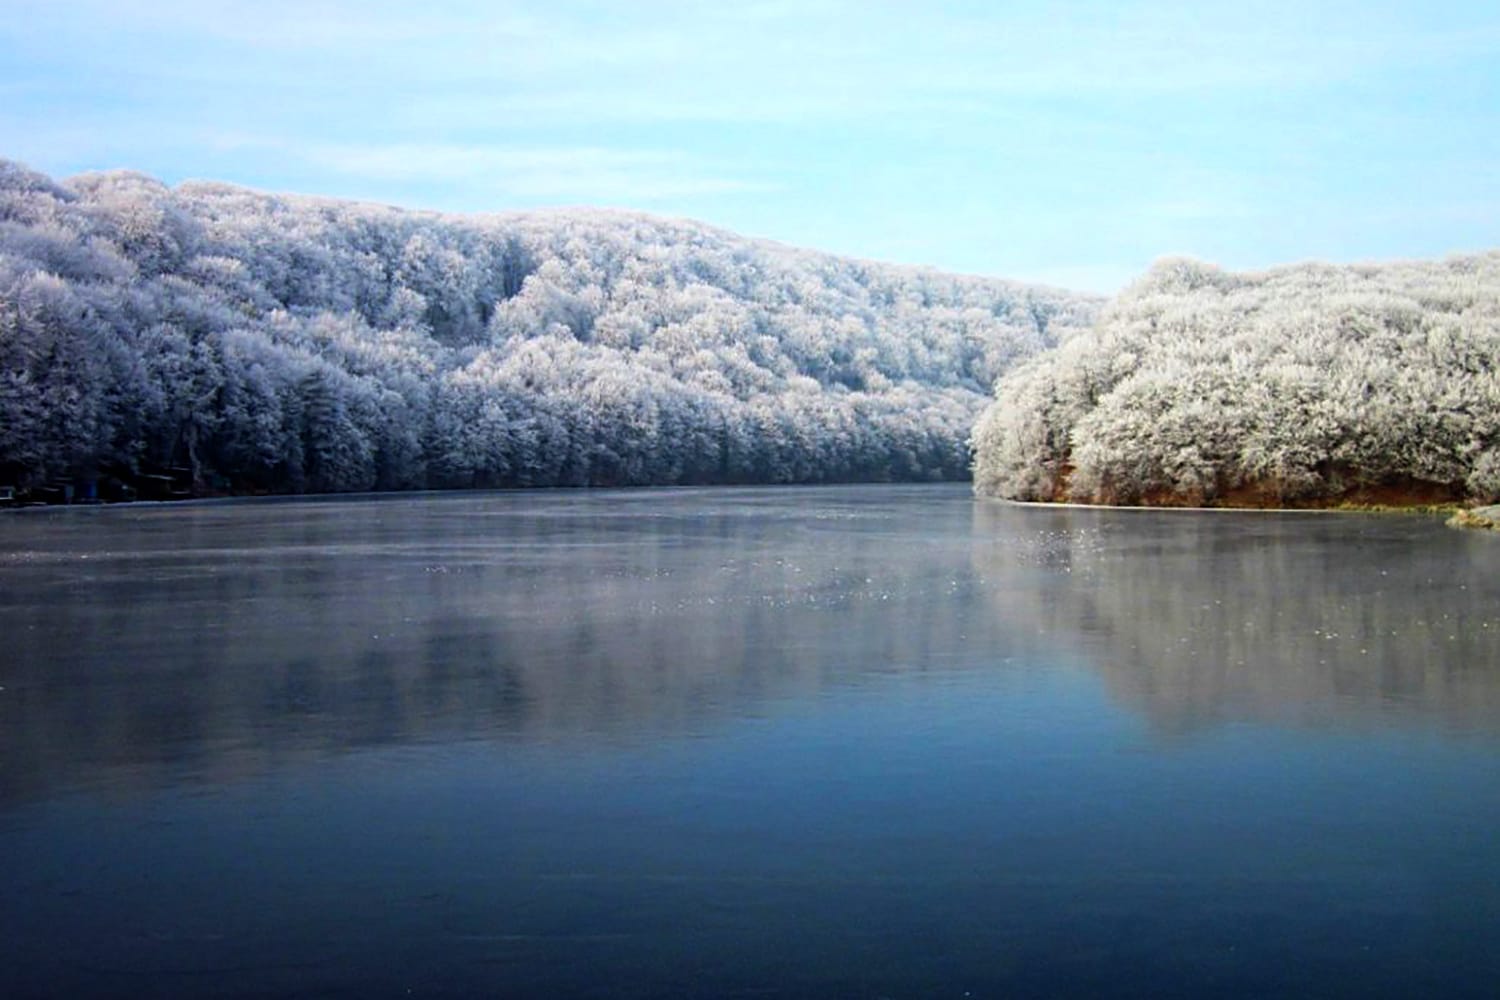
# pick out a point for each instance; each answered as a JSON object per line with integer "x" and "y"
{"x": 377, "y": 495}
{"x": 1452, "y": 511}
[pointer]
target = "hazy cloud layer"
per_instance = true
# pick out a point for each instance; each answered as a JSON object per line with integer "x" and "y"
{"x": 1045, "y": 137}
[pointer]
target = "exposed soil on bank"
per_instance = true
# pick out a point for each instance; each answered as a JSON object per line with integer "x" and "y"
{"x": 1395, "y": 494}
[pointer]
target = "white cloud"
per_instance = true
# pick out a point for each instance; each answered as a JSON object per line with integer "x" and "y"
{"x": 557, "y": 174}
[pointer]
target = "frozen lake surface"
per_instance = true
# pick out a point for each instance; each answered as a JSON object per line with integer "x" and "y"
{"x": 823, "y": 742}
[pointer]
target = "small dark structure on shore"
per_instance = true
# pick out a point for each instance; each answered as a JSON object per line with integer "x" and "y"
{"x": 113, "y": 486}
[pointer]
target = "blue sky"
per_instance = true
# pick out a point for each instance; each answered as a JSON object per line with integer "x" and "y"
{"x": 1071, "y": 143}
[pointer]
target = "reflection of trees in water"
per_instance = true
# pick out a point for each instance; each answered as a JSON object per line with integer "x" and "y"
{"x": 256, "y": 636}
{"x": 1202, "y": 618}
{"x": 225, "y": 641}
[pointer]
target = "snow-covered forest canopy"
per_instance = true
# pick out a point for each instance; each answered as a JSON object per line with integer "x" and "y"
{"x": 289, "y": 344}
{"x": 1301, "y": 385}
{"x": 266, "y": 343}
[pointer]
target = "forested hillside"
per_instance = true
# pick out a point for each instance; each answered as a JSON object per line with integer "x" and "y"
{"x": 1303, "y": 385}
{"x": 257, "y": 342}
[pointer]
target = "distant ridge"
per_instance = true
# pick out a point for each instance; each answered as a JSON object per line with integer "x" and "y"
{"x": 248, "y": 342}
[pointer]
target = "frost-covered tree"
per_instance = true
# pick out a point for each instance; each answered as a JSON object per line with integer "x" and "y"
{"x": 1301, "y": 385}
{"x": 280, "y": 343}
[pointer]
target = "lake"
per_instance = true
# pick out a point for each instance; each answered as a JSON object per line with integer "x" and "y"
{"x": 775, "y": 742}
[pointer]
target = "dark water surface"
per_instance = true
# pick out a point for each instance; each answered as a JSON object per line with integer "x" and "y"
{"x": 845, "y": 742}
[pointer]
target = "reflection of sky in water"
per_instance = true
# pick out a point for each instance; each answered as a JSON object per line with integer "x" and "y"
{"x": 830, "y": 742}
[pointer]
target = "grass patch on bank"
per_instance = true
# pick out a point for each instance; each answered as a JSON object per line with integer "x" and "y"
{"x": 1479, "y": 517}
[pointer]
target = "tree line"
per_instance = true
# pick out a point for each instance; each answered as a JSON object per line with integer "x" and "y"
{"x": 269, "y": 343}
{"x": 1298, "y": 386}
{"x": 251, "y": 342}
